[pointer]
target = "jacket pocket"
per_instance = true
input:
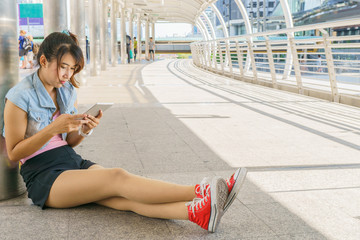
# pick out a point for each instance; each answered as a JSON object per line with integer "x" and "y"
{"x": 36, "y": 122}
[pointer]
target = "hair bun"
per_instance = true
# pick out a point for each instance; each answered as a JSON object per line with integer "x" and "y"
{"x": 74, "y": 38}
{"x": 70, "y": 34}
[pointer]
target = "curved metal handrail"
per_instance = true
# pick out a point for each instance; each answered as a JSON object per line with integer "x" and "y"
{"x": 324, "y": 66}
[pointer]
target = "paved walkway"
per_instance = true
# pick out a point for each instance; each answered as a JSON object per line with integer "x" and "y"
{"x": 175, "y": 122}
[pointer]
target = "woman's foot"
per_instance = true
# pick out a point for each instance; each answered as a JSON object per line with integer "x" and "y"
{"x": 234, "y": 184}
{"x": 207, "y": 211}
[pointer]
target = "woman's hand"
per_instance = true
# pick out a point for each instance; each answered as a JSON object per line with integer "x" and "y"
{"x": 66, "y": 123}
{"x": 92, "y": 122}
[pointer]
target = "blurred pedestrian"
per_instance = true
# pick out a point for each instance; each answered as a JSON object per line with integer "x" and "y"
{"x": 152, "y": 49}
{"x": 30, "y": 54}
{"x": 87, "y": 50}
{"x": 128, "y": 44}
{"x": 319, "y": 63}
{"x": 22, "y": 52}
{"x": 135, "y": 48}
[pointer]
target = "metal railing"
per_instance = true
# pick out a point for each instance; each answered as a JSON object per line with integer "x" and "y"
{"x": 323, "y": 66}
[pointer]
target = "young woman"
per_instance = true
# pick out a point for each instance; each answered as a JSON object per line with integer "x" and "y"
{"x": 42, "y": 126}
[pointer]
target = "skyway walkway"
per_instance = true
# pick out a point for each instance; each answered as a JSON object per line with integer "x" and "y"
{"x": 175, "y": 122}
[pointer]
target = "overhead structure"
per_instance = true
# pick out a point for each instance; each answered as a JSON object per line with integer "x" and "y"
{"x": 209, "y": 27}
{"x": 171, "y": 11}
{"x": 221, "y": 19}
{"x": 184, "y": 11}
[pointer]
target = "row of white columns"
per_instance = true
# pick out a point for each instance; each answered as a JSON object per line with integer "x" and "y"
{"x": 55, "y": 19}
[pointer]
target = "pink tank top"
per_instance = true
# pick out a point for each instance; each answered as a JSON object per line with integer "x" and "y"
{"x": 55, "y": 142}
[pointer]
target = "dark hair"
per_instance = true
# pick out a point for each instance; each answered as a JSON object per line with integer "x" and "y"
{"x": 56, "y": 45}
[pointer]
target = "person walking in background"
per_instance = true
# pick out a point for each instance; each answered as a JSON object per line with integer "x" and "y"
{"x": 151, "y": 49}
{"x": 30, "y": 54}
{"x": 87, "y": 50}
{"x": 128, "y": 44}
{"x": 319, "y": 63}
{"x": 22, "y": 52}
{"x": 135, "y": 48}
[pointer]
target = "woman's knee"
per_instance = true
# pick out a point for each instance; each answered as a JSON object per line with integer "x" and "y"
{"x": 119, "y": 174}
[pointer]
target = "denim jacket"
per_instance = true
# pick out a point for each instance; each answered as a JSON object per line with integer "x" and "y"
{"x": 31, "y": 96}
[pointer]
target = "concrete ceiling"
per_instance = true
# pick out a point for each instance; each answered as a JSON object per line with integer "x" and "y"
{"x": 184, "y": 11}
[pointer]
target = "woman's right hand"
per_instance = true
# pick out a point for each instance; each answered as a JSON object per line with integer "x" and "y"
{"x": 66, "y": 123}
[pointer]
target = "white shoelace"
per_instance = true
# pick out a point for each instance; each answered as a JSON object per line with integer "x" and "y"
{"x": 204, "y": 187}
{"x": 197, "y": 203}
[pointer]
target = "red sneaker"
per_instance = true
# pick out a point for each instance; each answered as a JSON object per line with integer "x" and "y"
{"x": 234, "y": 184}
{"x": 207, "y": 211}
{"x": 203, "y": 188}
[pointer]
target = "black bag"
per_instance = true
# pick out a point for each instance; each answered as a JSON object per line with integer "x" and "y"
{"x": 26, "y": 44}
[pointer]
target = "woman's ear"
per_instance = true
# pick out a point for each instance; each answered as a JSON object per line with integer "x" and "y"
{"x": 43, "y": 61}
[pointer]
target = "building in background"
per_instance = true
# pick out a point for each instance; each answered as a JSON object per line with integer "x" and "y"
{"x": 266, "y": 15}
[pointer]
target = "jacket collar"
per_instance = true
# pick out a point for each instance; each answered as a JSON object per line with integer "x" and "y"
{"x": 44, "y": 98}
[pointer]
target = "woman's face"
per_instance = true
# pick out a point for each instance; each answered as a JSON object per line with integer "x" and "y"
{"x": 58, "y": 77}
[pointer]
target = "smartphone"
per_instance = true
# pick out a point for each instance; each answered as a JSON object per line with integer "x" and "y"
{"x": 95, "y": 109}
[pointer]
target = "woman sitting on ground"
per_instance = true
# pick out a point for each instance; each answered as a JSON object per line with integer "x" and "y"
{"x": 42, "y": 126}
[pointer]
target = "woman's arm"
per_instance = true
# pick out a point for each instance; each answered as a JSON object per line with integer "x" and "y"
{"x": 15, "y": 120}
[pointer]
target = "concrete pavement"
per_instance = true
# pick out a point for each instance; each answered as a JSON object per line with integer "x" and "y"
{"x": 174, "y": 122}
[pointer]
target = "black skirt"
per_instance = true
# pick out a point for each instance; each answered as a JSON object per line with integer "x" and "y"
{"x": 40, "y": 172}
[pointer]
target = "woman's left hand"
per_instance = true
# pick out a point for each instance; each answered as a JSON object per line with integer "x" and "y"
{"x": 93, "y": 122}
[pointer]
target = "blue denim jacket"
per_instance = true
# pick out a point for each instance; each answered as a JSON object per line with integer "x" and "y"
{"x": 31, "y": 96}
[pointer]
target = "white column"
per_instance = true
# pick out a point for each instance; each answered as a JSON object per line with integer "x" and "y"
{"x": 98, "y": 60}
{"x": 93, "y": 36}
{"x": 55, "y": 16}
{"x": 131, "y": 31}
{"x": 103, "y": 33}
{"x": 113, "y": 45}
{"x": 139, "y": 37}
{"x": 147, "y": 39}
{"x": 77, "y": 26}
{"x": 11, "y": 184}
{"x": 153, "y": 30}
{"x": 123, "y": 36}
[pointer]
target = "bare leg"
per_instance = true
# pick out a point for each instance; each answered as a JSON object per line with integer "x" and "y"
{"x": 22, "y": 63}
{"x": 176, "y": 210}
{"x": 25, "y": 61}
{"x": 77, "y": 187}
